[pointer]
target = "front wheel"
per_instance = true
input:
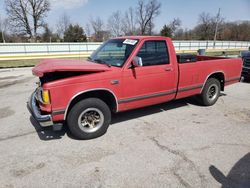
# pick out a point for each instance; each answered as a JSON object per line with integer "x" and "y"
{"x": 89, "y": 118}
{"x": 210, "y": 92}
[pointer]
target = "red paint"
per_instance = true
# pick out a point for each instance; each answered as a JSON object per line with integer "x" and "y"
{"x": 60, "y": 65}
{"x": 135, "y": 82}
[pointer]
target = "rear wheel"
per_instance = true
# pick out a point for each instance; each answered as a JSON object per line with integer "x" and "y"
{"x": 89, "y": 118}
{"x": 210, "y": 92}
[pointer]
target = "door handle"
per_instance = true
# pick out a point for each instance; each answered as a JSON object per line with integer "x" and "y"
{"x": 168, "y": 69}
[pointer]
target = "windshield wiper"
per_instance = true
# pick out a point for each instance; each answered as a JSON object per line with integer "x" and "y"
{"x": 90, "y": 59}
{"x": 101, "y": 62}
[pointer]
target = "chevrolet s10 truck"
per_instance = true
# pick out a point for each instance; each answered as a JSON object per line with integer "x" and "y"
{"x": 124, "y": 73}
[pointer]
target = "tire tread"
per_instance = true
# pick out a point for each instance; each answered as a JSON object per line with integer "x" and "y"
{"x": 72, "y": 118}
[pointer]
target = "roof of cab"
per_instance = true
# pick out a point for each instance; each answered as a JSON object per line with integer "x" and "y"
{"x": 142, "y": 37}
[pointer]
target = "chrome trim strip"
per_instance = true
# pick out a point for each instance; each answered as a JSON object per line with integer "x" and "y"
{"x": 97, "y": 89}
{"x": 44, "y": 120}
{"x": 183, "y": 89}
{"x": 58, "y": 112}
{"x": 146, "y": 96}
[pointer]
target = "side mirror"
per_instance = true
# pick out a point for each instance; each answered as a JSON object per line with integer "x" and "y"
{"x": 137, "y": 62}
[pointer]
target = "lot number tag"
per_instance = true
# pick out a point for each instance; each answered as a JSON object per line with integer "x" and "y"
{"x": 130, "y": 42}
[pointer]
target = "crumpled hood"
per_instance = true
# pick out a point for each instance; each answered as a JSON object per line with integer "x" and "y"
{"x": 62, "y": 65}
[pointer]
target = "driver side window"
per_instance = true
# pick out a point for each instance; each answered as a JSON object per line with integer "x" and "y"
{"x": 154, "y": 53}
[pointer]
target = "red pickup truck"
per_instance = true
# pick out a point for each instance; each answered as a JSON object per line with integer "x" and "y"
{"x": 122, "y": 74}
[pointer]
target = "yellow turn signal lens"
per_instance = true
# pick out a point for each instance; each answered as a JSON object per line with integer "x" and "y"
{"x": 46, "y": 98}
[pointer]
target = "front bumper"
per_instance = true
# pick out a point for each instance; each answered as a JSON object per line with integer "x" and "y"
{"x": 44, "y": 120}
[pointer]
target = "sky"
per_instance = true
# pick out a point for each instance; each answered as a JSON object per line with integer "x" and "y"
{"x": 80, "y": 11}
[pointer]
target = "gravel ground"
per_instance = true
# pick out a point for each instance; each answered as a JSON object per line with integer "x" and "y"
{"x": 176, "y": 144}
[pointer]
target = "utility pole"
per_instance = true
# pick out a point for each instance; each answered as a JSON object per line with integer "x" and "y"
{"x": 2, "y": 29}
{"x": 216, "y": 27}
{"x": 3, "y": 36}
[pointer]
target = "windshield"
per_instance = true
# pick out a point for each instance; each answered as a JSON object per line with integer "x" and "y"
{"x": 114, "y": 52}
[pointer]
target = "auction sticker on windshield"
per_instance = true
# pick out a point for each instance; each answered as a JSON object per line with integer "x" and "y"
{"x": 130, "y": 42}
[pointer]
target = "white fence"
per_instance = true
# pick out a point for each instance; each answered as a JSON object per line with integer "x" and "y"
{"x": 68, "y": 48}
{"x": 195, "y": 45}
{"x": 47, "y": 48}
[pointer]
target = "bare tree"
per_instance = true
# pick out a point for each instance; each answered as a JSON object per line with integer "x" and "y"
{"x": 63, "y": 24}
{"x": 174, "y": 25}
{"x": 129, "y": 22}
{"x": 239, "y": 30}
{"x": 27, "y": 16}
{"x": 146, "y": 12}
{"x": 150, "y": 27}
{"x": 206, "y": 27}
{"x": 98, "y": 28}
{"x": 115, "y": 24}
{"x": 97, "y": 24}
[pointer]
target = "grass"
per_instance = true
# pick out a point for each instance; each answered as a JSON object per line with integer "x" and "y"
{"x": 18, "y": 63}
{"x": 21, "y": 63}
{"x": 33, "y": 62}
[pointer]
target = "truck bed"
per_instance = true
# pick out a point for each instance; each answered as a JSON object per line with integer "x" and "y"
{"x": 190, "y": 58}
{"x": 193, "y": 75}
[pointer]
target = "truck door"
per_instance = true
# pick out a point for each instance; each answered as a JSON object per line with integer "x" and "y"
{"x": 153, "y": 82}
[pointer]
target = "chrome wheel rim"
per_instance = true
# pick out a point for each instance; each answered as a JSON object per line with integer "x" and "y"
{"x": 212, "y": 92}
{"x": 90, "y": 120}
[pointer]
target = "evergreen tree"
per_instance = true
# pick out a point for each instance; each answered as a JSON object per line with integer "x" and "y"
{"x": 75, "y": 33}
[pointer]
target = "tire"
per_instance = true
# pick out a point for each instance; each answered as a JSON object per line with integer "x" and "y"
{"x": 89, "y": 118}
{"x": 210, "y": 92}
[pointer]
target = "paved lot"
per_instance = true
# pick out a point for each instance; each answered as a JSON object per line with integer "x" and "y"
{"x": 177, "y": 144}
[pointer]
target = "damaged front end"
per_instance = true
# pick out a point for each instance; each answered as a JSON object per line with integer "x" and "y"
{"x": 44, "y": 120}
{"x": 40, "y": 103}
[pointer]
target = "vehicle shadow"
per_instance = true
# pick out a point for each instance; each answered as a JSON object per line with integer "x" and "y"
{"x": 47, "y": 133}
{"x": 246, "y": 81}
{"x": 238, "y": 177}
{"x": 145, "y": 111}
